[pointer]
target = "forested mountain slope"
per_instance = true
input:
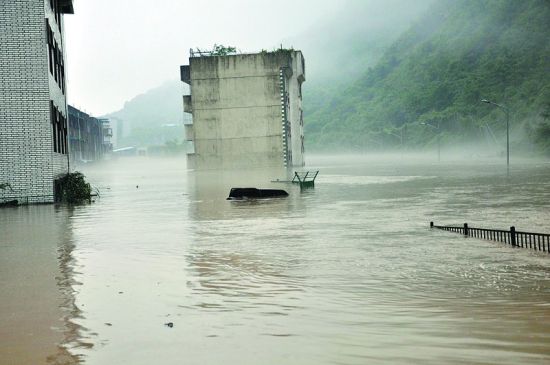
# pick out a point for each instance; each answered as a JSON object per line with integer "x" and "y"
{"x": 437, "y": 72}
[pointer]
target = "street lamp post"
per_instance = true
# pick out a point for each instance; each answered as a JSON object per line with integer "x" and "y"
{"x": 507, "y": 111}
{"x": 438, "y": 138}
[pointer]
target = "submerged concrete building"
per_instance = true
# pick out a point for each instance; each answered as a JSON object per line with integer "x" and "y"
{"x": 246, "y": 110}
{"x": 33, "y": 104}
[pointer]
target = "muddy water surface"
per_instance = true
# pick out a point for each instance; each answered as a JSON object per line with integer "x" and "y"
{"x": 346, "y": 273}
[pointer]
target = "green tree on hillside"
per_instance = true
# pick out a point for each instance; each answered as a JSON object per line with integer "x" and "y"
{"x": 460, "y": 52}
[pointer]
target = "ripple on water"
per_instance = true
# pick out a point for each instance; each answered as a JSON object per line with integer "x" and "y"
{"x": 346, "y": 273}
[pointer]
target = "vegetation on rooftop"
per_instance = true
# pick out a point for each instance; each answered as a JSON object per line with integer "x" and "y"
{"x": 221, "y": 50}
{"x": 278, "y": 50}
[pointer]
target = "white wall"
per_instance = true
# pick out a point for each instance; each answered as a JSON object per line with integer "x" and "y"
{"x": 27, "y": 161}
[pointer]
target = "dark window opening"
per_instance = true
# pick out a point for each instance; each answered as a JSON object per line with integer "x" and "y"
{"x": 57, "y": 190}
{"x": 65, "y": 137}
{"x": 62, "y": 73}
{"x": 59, "y": 130}
{"x": 56, "y": 61}
{"x": 49, "y": 34}
{"x": 54, "y": 125}
{"x": 55, "y": 58}
{"x": 57, "y": 14}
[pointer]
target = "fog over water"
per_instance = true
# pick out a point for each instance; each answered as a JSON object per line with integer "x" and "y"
{"x": 348, "y": 272}
{"x": 408, "y": 111}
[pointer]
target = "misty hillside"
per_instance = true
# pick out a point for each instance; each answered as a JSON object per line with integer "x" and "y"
{"x": 148, "y": 112}
{"x": 437, "y": 72}
{"x": 343, "y": 44}
{"x": 341, "y": 47}
{"x": 376, "y": 69}
{"x": 336, "y": 51}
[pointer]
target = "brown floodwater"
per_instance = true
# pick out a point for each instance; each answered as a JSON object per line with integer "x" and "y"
{"x": 346, "y": 273}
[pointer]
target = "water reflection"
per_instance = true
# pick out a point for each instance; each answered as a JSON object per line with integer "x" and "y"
{"x": 37, "y": 317}
{"x": 227, "y": 272}
{"x": 209, "y": 189}
{"x": 346, "y": 273}
{"x": 74, "y": 333}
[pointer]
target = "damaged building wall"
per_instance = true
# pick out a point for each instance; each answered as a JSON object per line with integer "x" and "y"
{"x": 246, "y": 110}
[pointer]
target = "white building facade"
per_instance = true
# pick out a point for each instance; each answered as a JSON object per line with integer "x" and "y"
{"x": 246, "y": 110}
{"x": 33, "y": 104}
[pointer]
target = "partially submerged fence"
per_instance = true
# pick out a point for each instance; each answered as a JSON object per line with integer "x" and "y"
{"x": 534, "y": 241}
{"x": 306, "y": 179}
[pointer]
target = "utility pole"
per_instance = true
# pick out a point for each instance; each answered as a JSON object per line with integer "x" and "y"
{"x": 507, "y": 111}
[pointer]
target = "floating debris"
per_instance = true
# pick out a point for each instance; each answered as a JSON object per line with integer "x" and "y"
{"x": 253, "y": 193}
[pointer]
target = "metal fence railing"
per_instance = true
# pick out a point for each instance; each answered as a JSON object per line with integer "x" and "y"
{"x": 531, "y": 240}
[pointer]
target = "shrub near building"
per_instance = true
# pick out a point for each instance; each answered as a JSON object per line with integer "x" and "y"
{"x": 73, "y": 189}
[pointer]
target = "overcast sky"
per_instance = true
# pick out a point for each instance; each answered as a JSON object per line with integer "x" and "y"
{"x": 117, "y": 49}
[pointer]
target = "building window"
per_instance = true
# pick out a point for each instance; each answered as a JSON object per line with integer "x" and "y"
{"x": 50, "y": 45}
{"x": 59, "y": 130}
{"x": 55, "y": 58}
{"x": 54, "y": 125}
{"x": 61, "y": 73}
{"x": 57, "y": 14}
{"x": 56, "y": 61}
